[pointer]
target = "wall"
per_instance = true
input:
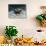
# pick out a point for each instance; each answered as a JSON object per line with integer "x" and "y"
{"x": 24, "y": 26}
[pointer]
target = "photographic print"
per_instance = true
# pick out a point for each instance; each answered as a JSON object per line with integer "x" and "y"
{"x": 17, "y": 11}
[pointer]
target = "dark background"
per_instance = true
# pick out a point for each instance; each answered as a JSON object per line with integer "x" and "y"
{"x": 14, "y": 6}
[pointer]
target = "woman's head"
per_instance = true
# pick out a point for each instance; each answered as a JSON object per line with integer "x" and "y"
{"x": 43, "y": 8}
